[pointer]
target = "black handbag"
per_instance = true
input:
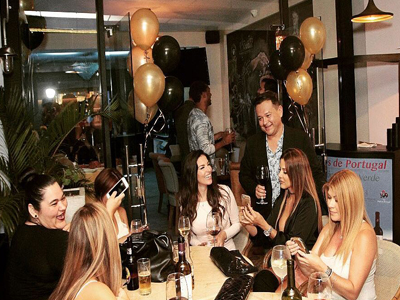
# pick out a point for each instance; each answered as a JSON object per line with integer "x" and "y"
{"x": 155, "y": 245}
{"x": 231, "y": 263}
{"x": 236, "y": 288}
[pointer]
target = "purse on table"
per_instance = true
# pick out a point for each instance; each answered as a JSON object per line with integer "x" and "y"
{"x": 155, "y": 245}
{"x": 236, "y": 288}
{"x": 231, "y": 263}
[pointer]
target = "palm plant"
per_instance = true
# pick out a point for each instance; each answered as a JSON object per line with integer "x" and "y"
{"x": 25, "y": 147}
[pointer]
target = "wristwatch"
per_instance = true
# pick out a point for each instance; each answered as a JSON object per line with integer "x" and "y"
{"x": 267, "y": 232}
{"x": 328, "y": 271}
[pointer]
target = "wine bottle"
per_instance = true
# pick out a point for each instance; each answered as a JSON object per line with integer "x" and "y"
{"x": 133, "y": 280}
{"x": 291, "y": 292}
{"x": 183, "y": 266}
{"x": 377, "y": 228}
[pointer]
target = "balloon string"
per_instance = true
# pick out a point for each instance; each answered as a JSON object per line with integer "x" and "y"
{"x": 147, "y": 133}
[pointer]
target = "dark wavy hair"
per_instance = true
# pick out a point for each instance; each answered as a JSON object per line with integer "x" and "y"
{"x": 188, "y": 188}
{"x": 34, "y": 185}
{"x": 105, "y": 181}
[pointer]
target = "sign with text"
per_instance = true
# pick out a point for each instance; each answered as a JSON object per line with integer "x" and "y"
{"x": 376, "y": 177}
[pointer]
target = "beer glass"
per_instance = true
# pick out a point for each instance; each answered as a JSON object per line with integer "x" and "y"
{"x": 144, "y": 273}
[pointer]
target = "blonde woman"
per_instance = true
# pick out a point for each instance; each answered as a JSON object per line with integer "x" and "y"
{"x": 92, "y": 268}
{"x": 346, "y": 248}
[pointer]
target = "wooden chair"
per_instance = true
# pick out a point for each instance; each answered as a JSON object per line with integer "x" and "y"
{"x": 159, "y": 176}
{"x": 172, "y": 187}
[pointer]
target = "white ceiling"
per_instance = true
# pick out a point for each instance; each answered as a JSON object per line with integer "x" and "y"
{"x": 173, "y": 15}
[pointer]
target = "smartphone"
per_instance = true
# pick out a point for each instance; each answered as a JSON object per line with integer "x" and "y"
{"x": 119, "y": 187}
{"x": 299, "y": 241}
{"x": 245, "y": 200}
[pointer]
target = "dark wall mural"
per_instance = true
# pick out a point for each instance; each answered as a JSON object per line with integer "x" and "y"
{"x": 249, "y": 51}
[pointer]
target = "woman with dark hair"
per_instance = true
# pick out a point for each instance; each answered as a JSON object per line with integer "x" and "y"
{"x": 199, "y": 194}
{"x": 93, "y": 263}
{"x": 102, "y": 185}
{"x": 296, "y": 214}
{"x": 38, "y": 247}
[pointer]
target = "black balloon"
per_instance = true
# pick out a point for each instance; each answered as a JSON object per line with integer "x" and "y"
{"x": 166, "y": 53}
{"x": 292, "y": 53}
{"x": 172, "y": 96}
{"x": 276, "y": 67}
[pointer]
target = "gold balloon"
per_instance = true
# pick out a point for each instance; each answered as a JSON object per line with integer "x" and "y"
{"x": 308, "y": 58}
{"x": 299, "y": 86}
{"x": 144, "y": 28}
{"x": 149, "y": 83}
{"x": 138, "y": 57}
{"x": 313, "y": 34}
{"x": 141, "y": 110}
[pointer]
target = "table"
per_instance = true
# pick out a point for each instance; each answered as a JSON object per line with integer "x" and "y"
{"x": 207, "y": 277}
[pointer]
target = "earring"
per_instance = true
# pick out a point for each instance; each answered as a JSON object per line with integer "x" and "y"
{"x": 35, "y": 216}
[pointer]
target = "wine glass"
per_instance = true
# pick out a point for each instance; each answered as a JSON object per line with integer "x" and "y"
{"x": 319, "y": 287}
{"x": 262, "y": 176}
{"x": 229, "y": 131}
{"x": 280, "y": 255}
{"x": 177, "y": 288}
{"x": 184, "y": 226}
{"x": 136, "y": 228}
{"x": 221, "y": 164}
{"x": 213, "y": 224}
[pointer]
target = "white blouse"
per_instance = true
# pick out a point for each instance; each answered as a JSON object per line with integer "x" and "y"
{"x": 230, "y": 222}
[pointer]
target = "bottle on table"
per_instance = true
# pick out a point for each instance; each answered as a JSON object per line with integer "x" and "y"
{"x": 291, "y": 292}
{"x": 183, "y": 266}
{"x": 133, "y": 280}
{"x": 378, "y": 230}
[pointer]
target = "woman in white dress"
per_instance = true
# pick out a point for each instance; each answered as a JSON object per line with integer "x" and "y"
{"x": 92, "y": 268}
{"x": 346, "y": 248}
{"x": 102, "y": 185}
{"x": 200, "y": 194}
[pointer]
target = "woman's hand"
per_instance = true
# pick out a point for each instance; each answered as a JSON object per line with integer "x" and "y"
{"x": 253, "y": 217}
{"x": 260, "y": 192}
{"x": 114, "y": 202}
{"x": 220, "y": 239}
{"x": 293, "y": 247}
{"x": 310, "y": 263}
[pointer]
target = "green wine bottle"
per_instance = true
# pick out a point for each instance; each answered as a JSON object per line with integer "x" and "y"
{"x": 291, "y": 292}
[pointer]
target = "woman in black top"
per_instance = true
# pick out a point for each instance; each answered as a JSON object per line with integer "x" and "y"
{"x": 38, "y": 247}
{"x": 296, "y": 214}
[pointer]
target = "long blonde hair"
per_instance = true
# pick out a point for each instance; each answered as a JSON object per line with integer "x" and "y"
{"x": 347, "y": 187}
{"x": 300, "y": 175}
{"x": 92, "y": 253}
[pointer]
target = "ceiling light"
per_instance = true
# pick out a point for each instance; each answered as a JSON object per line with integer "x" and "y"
{"x": 50, "y": 93}
{"x": 372, "y": 14}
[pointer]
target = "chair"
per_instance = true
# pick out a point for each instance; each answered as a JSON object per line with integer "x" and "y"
{"x": 159, "y": 176}
{"x": 236, "y": 187}
{"x": 175, "y": 153}
{"x": 240, "y": 239}
{"x": 387, "y": 275}
{"x": 172, "y": 187}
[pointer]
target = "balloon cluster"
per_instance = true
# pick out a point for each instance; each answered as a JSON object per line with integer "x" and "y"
{"x": 295, "y": 56}
{"x": 152, "y": 90}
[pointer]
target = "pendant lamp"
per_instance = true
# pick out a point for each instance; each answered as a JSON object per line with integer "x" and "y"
{"x": 371, "y": 14}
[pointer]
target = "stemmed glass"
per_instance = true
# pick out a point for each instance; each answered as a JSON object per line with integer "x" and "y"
{"x": 213, "y": 224}
{"x": 262, "y": 176}
{"x": 319, "y": 286}
{"x": 280, "y": 255}
{"x": 177, "y": 288}
{"x": 229, "y": 131}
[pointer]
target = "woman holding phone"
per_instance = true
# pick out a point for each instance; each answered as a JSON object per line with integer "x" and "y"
{"x": 346, "y": 248}
{"x": 104, "y": 182}
{"x": 296, "y": 214}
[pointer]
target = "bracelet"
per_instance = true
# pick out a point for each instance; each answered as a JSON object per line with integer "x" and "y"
{"x": 332, "y": 281}
{"x": 328, "y": 271}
